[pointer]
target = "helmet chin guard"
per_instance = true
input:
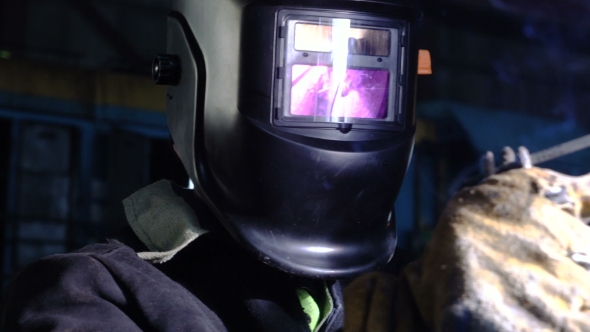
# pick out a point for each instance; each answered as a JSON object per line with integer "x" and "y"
{"x": 295, "y": 121}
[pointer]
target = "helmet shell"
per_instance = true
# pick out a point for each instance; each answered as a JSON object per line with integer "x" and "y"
{"x": 311, "y": 201}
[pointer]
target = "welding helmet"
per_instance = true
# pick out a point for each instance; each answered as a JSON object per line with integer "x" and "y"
{"x": 295, "y": 121}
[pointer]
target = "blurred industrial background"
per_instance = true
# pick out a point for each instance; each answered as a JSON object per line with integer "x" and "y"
{"x": 82, "y": 125}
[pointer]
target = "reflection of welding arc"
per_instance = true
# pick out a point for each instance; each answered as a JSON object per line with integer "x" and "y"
{"x": 333, "y": 100}
{"x": 300, "y": 77}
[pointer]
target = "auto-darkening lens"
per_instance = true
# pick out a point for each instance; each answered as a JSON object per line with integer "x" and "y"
{"x": 363, "y": 93}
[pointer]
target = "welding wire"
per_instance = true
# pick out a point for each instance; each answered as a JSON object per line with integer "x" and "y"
{"x": 560, "y": 150}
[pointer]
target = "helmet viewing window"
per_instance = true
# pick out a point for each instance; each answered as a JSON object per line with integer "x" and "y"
{"x": 321, "y": 38}
{"x": 345, "y": 69}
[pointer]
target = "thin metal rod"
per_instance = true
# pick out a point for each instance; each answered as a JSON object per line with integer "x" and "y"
{"x": 560, "y": 150}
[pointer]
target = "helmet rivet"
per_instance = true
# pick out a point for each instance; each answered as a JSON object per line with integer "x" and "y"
{"x": 166, "y": 69}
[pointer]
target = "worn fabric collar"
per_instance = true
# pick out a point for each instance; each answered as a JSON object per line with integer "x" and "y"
{"x": 162, "y": 218}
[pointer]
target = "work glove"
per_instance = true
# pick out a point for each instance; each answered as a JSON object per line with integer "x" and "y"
{"x": 509, "y": 254}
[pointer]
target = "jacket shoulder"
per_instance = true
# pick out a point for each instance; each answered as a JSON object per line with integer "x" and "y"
{"x": 101, "y": 287}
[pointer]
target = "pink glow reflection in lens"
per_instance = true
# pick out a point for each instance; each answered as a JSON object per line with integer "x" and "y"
{"x": 362, "y": 94}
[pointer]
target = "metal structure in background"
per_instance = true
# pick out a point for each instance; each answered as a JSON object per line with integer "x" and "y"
{"x": 61, "y": 182}
{"x": 121, "y": 35}
{"x": 106, "y": 30}
{"x": 44, "y": 168}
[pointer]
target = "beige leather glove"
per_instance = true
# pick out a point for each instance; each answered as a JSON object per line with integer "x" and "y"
{"x": 510, "y": 254}
{"x": 369, "y": 303}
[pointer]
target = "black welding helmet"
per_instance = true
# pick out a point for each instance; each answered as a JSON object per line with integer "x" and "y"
{"x": 295, "y": 121}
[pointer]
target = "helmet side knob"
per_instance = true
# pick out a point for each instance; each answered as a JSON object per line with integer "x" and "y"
{"x": 166, "y": 69}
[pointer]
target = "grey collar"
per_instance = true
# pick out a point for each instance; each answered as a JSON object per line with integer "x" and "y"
{"x": 162, "y": 219}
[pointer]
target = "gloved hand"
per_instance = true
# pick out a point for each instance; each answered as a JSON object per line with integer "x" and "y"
{"x": 369, "y": 303}
{"x": 509, "y": 254}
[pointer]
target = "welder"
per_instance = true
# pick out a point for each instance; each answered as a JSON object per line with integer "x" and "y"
{"x": 295, "y": 122}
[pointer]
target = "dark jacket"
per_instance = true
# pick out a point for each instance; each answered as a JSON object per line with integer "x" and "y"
{"x": 202, "y": 280}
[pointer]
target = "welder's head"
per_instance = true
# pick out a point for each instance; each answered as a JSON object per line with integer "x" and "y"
{"x": 295, "y": 121}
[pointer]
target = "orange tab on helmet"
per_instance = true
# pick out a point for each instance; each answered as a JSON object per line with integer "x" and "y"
{"x": 424, "y": 63}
